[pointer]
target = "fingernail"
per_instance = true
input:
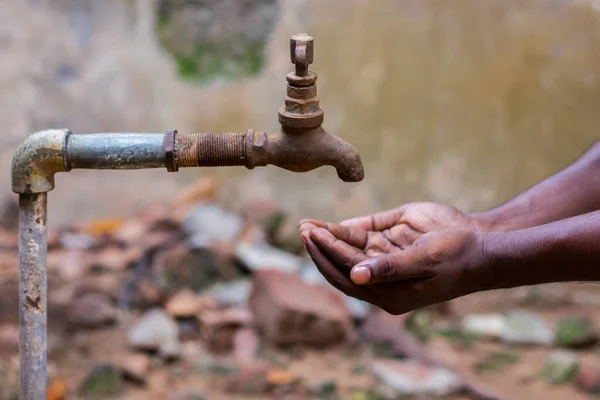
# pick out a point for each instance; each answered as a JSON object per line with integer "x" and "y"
{"x": 303, "y": 238}
{"x": 360, "y": 274}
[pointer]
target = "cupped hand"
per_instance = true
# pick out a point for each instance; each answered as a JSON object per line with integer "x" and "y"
{"x": 414, "y": 256}
{"x": 396, "y": 229}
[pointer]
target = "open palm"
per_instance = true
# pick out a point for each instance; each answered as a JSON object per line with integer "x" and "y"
{"x": 396, "y": 229}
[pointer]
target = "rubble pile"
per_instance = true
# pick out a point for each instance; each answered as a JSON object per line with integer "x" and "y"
{"x": 193, "y": 300}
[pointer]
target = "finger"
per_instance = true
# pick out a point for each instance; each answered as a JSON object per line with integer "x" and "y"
{"x": 378, "y": 245}
{"x": 308, "y": 224}
{"x": 376, "y": 222}
{"x": 340, "y": 253}
{"x": 334, "y": 276}
{"x": 353, "y": 236}
{"x": 402, "y": 235}
{"x": 408, "y": 264}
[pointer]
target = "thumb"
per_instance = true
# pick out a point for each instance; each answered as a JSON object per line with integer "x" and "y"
{"x": 412, "y": 263}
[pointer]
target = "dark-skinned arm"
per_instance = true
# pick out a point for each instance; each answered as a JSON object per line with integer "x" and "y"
{"x": 562, "y": 251}
{"x": 449, "y": 263}
{"x": 572, "y": 191}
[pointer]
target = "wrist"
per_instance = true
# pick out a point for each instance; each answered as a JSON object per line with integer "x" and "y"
{"x": 490, "y": 272}
{"x": 488, "y": 221}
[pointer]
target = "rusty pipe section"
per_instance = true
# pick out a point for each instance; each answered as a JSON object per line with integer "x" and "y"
{"x": 293, "y": 149}
{"x": 32, "y": 296}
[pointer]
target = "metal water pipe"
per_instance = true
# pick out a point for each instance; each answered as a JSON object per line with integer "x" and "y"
{"x": 301, "y": 145}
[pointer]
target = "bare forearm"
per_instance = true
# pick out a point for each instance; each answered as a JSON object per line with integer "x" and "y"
{"x": 573, "y": 191}
{"x": 563, "y": 251}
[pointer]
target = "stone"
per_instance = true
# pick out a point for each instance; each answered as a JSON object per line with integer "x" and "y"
{"x": 91, "y": 311}
{"x": 248, "y": 380}
{"x": 492, "y": 325}
{"x": 389, "y": 332}
{"x": 179, "y": 268}
{"x": 77, "y": 240}
{"x": 134, "y": 366}
{"x": 588, "y": 378}
{"x": 209, "y": 223}
{"x": 289, "y": 311}
{"x": 232, "y": 293}
{"x": 103, "y": 380}
{"x": 412, "y": 378}
{"x": 189, "y": 329}
{"x": 156, "y": 331}
{"x": 60, "y": 299}
{"x": 185, "y": 304}
{"x": 191, "y": 350}
{"x": 560, "y": 367}
{"x": 309, "y": 273}
{"x": 115, "y": 259}
{"x": 131, "y": 231}
{"x": 104, "y": 284}
{"x": 246, "y": 344}
{"x": 70, "y": 264}
{"x": 515, "y": 327}
{"x": 523, "y": 328}
{"x": 263, "y": 256}
{"x": 147, "y": 295}
{"x": 218, "y": 327}
{"x": 575, "y": 332}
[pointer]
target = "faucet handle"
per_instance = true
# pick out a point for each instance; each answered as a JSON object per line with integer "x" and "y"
{"x": 301, "y": 52}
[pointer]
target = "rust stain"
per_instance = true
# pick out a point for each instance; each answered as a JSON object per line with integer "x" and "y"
{"x": 35, "y": 303}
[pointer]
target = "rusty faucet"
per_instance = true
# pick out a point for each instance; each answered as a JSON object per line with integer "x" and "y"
{"x": 301, "y": 145}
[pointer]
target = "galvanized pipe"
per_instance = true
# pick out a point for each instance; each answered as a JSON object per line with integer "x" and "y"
{"x": 115, "y": 151}
{"x": 32, "y": 295}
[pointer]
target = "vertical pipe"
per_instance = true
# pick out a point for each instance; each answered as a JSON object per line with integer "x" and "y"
{"x": 32, "y": 296}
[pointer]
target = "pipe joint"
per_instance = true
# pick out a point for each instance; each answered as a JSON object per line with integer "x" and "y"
{"x": 37, "y": 159}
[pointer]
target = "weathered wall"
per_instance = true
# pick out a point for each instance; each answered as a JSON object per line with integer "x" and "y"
{"x": 465, "y": 101}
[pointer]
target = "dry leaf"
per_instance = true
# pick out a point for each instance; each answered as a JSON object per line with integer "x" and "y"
{"x": 106, "y": 226}
{"x": 278, "y": 377}
{"x": 57, "y": 390}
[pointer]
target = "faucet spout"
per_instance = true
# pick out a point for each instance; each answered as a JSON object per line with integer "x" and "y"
{"x": 303, "y": 150}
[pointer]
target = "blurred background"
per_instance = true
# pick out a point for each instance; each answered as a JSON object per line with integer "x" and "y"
{"x": 466, "y": 102}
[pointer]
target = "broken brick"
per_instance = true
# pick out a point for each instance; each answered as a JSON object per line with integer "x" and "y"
{"x": 289, "y": 311}
{"x": 219, "y": 327}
